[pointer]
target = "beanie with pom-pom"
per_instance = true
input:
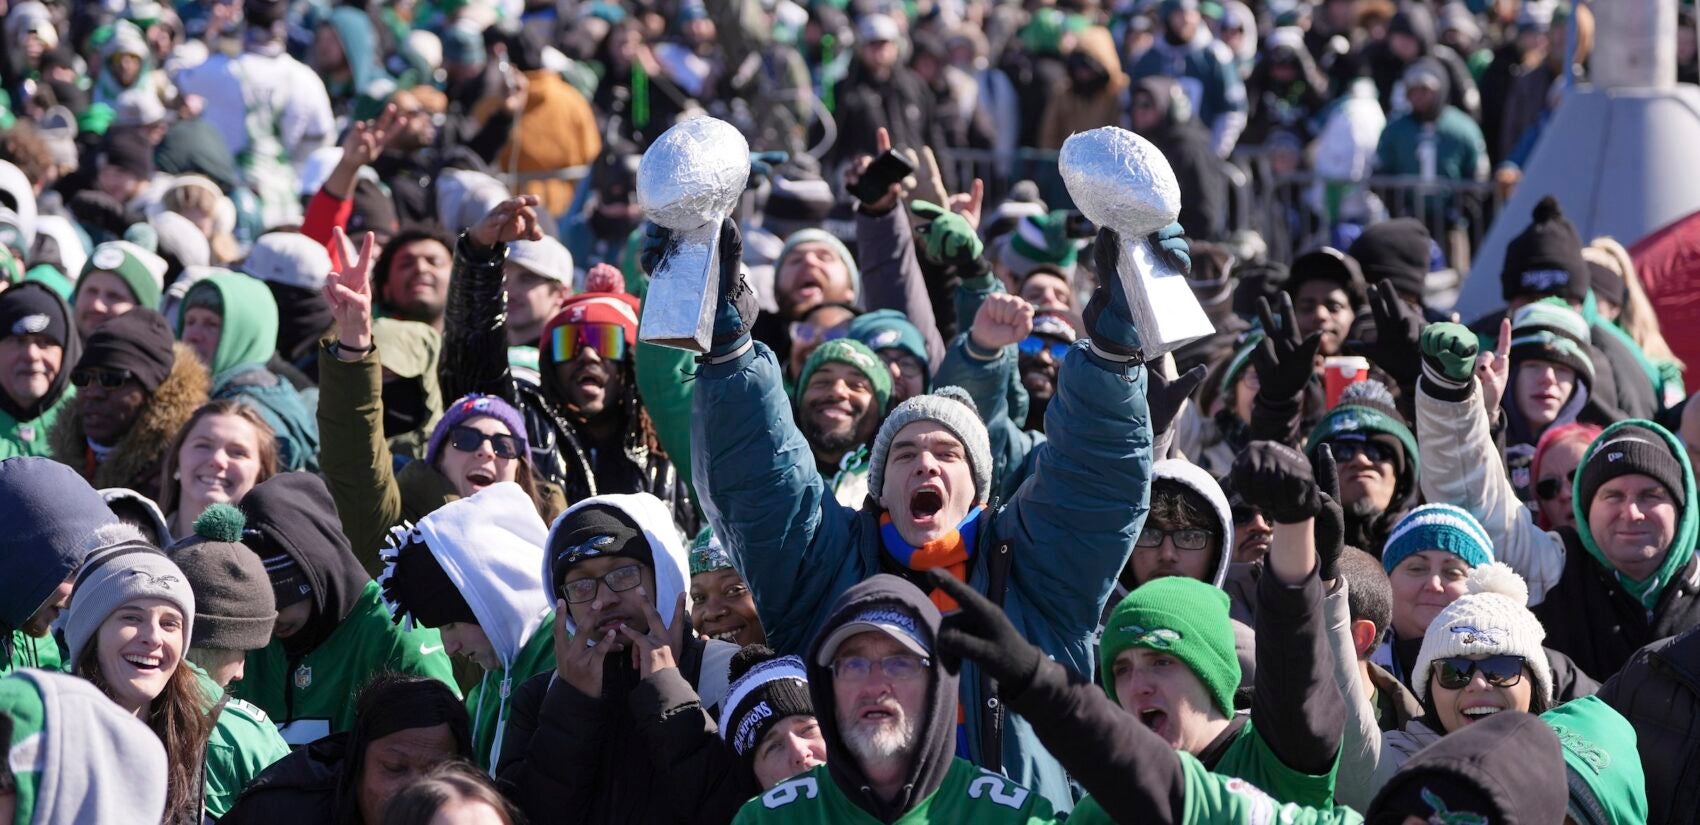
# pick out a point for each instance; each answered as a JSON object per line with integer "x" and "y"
{"x": 235, "y": 609}
{"x": 1546, "y": 259}
{"x": 766, "y": 688}
{"x": 1492, "y": 618}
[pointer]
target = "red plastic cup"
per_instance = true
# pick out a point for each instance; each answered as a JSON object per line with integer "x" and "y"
{"x": 1340, "y": 372}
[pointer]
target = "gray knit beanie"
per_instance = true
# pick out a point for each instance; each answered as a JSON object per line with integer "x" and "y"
{"x": 236, "y": 607}
{"x": 951, "y": 408}
{"x": 116, "y": 575}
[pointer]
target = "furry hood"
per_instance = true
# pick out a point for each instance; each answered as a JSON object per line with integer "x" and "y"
{"x": 136, "y": 458}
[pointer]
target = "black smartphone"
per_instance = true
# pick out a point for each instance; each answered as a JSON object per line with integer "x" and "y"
{"x": 887, "y": 169}
{"x": 1078, "y": 226}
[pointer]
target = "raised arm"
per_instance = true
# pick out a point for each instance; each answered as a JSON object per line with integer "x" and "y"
{"x": 475, "y": 335}
{"x": 1462, "y": 465}
{"x": 885, "y": 250}
{"x": 356, "y": 458}
{"x": 755, "y": 475}
{"x": 1360, "y": 774}
{"x": 982, "y": 361}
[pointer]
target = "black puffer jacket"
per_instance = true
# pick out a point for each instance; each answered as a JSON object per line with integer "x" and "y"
{"x": 474, "y": 360}
{"x": 1659, "y": 693}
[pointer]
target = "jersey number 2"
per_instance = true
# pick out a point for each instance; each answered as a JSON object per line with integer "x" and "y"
{"x": 998, "y": 789}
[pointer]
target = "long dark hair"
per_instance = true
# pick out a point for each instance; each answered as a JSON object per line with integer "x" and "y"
{"x": 394, "y": 702}
{"x": 448, "y": 782}
{"x": 178, "y": 716}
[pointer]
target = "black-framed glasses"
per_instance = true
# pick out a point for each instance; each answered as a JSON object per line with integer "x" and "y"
{"x": 108, "y": 379}
{"x": 1345, "y": 451}
{"x": 1548, "y": 489}
{"x": 1454, "y": 672}
{"x": 619, "y": 580}
{"x": 468, "y": 439}
{"x": 900, "y": 667}
{"x": 1186, "y": 538}
{"x": 1033, "y": 345}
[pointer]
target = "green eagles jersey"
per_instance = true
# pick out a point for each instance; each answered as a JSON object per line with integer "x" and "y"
{"x": 313, "y": 696}
{"x": 30, "y": 437}
{"x": 1250, "y": 758}
{"x": 488, "y": 702}
{"x": 968, "y": 794}
{"x": 1214, "y": 799}
{"x": 244, "y": 742}
{"x": 33, "y": 651}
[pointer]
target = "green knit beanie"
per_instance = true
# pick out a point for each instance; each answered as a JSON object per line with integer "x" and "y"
{"x": 1042, "y": 242}
{"x": 1184, "y": 618}
{"x": 142, "y": 271}
{"x": 856, "y": 354}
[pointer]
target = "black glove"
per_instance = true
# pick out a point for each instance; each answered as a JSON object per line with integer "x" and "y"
{"x": 738, "y": 304}
{"x": 980, "y": 632}
{"x": 1330, "y": 525}
{"x": 1284, "y": 363}
{"x": 1398, "y": 326}
{"x": 1165, "y": 397}
{"x": 657, "y": 242}
{"x": 1277, "y": 479}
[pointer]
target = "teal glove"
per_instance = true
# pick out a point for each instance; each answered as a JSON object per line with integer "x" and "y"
{"x": 947, "y": 240}
{"x": 1449, "y": 354}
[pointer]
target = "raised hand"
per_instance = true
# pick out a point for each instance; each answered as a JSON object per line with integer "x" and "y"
{"x": 968, "y": 204}
{"x": 1277, "y": 479}
{"x": 1448, "y": 355}
{"x": 1164, "y": 396}
{"x": 1284, "y": 363}
{"x": 1398, "y": 328}
{"x": 367, "y": 139}
{"x": 349, "y": 293}
{"x": 981, "y": 633}
{"x": 1003, "y": 320}
{"x": 948, "y": 240}
{"x": 579, "y": 659}
{"x": 1494, "y": 370}
{"x": 888, "y": 201}
{"x": 514, "y": 219}
{"x": 659, "y": 648}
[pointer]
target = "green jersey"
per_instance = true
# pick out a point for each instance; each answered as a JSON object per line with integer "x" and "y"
{"x": 33, "y": 651}
{"x": 1214, "y": 799}
{"x": 244, "y": 742}
{"x": 30, "y": 437}
{"x": 968, "y": 794}
{"x": 1249, "y": 758}
{"x": 313, "y": 696}
{"x": 489, "y": 702}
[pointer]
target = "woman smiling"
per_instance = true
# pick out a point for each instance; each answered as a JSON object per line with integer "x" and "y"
{"x": 220, "y": 454}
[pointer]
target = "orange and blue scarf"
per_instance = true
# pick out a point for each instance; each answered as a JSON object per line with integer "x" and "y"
{"x": 951, "y": 551}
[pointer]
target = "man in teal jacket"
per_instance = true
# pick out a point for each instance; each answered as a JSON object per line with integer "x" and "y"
{"x": 929, "y": 504}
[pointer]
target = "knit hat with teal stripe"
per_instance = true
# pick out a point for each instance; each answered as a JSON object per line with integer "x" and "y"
{"x": 1549, "y": 330}
{"x": 1438, "y": 527}
{"x": 1041, "y": 242}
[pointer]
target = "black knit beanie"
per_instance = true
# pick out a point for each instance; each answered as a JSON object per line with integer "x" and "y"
{"x": 139, "y": 341}
{"x": 1331, "y": 264}
{"x": 1607, "y": 284}
{"x": 1630, "y": 450}
{"x": 765, "y": 689}
{"x": 1546, "y": 259}
{"x": 594, "y": 531}
{"x": 415, "y": 585}
{"x": 1397, "y": 251}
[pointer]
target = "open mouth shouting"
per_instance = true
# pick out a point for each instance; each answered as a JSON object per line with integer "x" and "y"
{"x": 925, "y": 504}
{"x": 478, "y": 478}
{"x": 1157, "y": 720}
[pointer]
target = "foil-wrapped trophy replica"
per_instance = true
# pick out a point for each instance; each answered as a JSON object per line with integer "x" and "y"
{"x": 689, "y": 181}
{"x": 1120, "y": 181}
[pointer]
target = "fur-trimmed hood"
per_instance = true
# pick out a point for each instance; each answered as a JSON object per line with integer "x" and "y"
{"x": 136, "y": 458}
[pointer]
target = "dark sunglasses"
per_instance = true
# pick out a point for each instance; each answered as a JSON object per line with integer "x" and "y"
{"x": 468, "y": 440}
{"x": 1243, "y": 514}
{"x": 108, "y": 379}
{"x": 1345, "y": 451}
{"x": 1034, "y": 345}
{"x": 1454, "y": 672}
{"x": 1548, "y": 489}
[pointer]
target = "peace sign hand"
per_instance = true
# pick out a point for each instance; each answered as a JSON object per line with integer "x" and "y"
{"x": 659, "y": 648}
{"x": 579, "y": 659}
{"x": 349, "y": 292}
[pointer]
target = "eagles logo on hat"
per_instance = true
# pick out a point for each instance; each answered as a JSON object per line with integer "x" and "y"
{"x": 588, "y": 549}
{"x": 30, "y": 324}
{"x": 108, "y": 257}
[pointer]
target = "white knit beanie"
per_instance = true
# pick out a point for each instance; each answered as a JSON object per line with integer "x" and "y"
{"x": 1491, "y": 619}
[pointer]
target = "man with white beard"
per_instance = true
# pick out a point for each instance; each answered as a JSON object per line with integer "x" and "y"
{"x": 888, "y": 712}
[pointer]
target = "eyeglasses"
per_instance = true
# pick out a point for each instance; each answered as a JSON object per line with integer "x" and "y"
{"x": 1345, "y": 451}
{"x": 1548, "y": 489}
{"x": 901, "y": 667}
{"x": 806, "y": 332}
{"x": 468, "y": 440}
{"x": 1186, "y": 538}
{"x": 607, "y": 340}
{"x": 619, "y": 580}
{"x": 1454, "y": 672}
{"x": 108, "y": 379}
{"x": 1034, "y": 345}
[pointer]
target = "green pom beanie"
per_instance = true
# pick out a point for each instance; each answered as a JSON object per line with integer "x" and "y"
{"x": 1184, "y": 618}
{"x": 856, "y": 354}
{"x": 1041, "y": 242}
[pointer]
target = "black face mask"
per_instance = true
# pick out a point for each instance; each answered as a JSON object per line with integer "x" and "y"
{"x": 405, "y": 409}
{"x": 1086, "y": 77}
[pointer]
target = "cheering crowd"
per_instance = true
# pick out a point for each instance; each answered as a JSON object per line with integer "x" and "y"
{"x": 338, "y": 484}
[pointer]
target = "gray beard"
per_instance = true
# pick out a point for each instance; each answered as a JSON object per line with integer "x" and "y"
{"x": 891, "y": 742}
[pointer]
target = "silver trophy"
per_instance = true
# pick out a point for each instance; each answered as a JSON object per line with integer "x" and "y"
{"x": 688, "y": 182}
{"x": 1120, "y": 181}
